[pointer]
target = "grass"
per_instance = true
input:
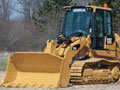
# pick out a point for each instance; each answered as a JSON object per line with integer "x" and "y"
{"x": 3, "y": 62}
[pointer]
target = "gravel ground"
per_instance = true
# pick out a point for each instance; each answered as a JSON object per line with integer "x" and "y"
{"x": 115, "y": 86}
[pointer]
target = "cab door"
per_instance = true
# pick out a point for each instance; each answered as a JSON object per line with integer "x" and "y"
{"x": 99, "y": 29}
{"x": 103, "y": 38}
{"x": 103, "y": 29}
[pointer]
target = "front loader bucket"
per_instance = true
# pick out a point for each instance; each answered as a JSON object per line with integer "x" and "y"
{"x": 37, "y": 70}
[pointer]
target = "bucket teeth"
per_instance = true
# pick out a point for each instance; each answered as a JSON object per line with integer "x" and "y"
{"x": 1, "y": 83}
{"x": 33, "y": 85}
{"x": 37, "y": 86}
{"x": 40, "y": 85}
{"x": 7, "y": 85}
{"x": 22, "y": 85}
{"x": 44, "y": 86}
{"x": 54, "y": 86}
{"x": 30, "y": 85}
{"x": 50, "y": 86}
{"x": 14, "y": 85}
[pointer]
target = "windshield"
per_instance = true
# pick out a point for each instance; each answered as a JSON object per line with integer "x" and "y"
{"x": 77, "y": 21}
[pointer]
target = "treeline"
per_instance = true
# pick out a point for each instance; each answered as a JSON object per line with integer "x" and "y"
{"x": 37, "y": 21}
{"x": 115, "y": 5}
{"x": 18, "y": 33}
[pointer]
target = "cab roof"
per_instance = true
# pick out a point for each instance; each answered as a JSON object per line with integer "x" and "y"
{"x": 93, "y": 7}
{"x": 97, "y": 7}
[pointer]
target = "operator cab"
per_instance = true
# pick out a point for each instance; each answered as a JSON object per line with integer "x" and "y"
{"x": 91, "y": 20}
{"x": 77, "y": 21}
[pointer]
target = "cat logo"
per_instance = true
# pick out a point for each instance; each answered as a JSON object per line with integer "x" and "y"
{"x": 109, "y": 41}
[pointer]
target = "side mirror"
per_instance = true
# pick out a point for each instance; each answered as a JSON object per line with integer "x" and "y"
{"x": 61, "y": 25}
{"x": 114, "y": 12}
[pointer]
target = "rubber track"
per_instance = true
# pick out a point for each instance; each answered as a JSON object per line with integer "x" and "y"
{"x": 77, "y": 71}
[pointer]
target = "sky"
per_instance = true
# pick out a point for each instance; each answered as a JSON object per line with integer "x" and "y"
{"x": 16, "y": 11}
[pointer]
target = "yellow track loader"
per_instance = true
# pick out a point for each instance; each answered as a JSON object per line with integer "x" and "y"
{"x": 86, "y": 52}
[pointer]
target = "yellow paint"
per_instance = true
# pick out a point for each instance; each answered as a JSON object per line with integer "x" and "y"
{"x": 103, "y": 53}
{"x": 67, "y": 7}
{"x": 41, "y": 70}
{"x": 97, "y": 7}
{"x": 94, "y": 8}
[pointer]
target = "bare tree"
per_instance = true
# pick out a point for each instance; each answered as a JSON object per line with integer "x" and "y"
{"x": 30, "y": 7}
{"x": 5, "y": 12}
{"x": 6, "y": 9}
